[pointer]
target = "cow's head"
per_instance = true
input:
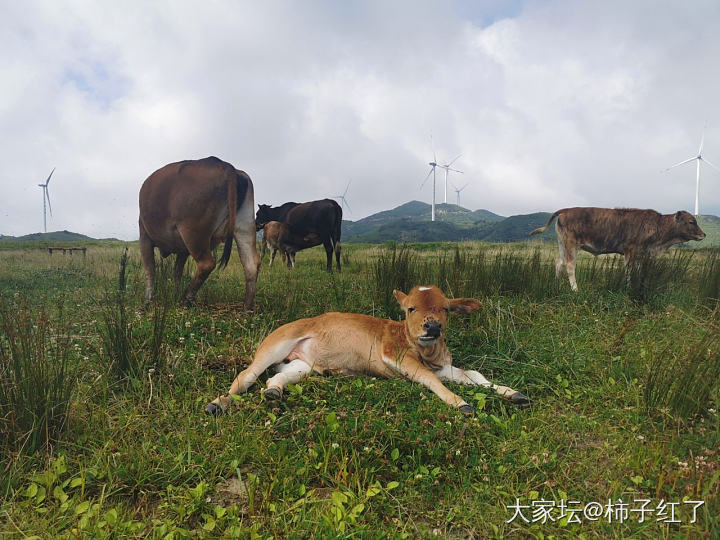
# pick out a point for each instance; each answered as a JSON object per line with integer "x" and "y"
{"x": 426, "y": 310}
{"x": 686, "y": 226}
{"x": 263, "y": 216}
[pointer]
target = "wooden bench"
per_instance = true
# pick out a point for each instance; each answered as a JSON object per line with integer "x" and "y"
{"x": 66, "y": 249}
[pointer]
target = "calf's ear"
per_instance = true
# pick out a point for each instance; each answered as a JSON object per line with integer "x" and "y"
{"x": 464, "y": 305}
{"x": 399, "y": 296}
{"x": 678, "y": 214}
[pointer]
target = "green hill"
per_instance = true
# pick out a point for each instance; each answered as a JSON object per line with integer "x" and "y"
{"x": 711, "y": 227}
{"x": 59, "y": 237}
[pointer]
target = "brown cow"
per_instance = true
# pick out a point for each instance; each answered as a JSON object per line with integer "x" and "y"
{"x": 284, "y": 237}
{"x": 351, "y": 343}
{"x": 189, "y": 208}
{"x": 627, "y": 231}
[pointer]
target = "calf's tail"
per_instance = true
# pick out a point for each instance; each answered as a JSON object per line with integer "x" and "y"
{"x": 545, "y": 228}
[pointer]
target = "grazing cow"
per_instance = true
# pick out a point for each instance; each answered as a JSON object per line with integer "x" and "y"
{"x": 281, "y": 236}
{"x": 352, "y": 343}
{"x": 627, "y": 231}
{"x": 323, "y": 217}
{"x": 189, "y": 208}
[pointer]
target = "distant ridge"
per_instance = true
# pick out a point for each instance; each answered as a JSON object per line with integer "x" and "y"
{"x": 57, "y": 236}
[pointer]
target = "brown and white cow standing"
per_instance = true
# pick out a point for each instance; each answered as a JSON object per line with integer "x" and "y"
{"x": 190, "y": 207}
{"x": 352, "y": 343}
{"x": 285, "y": 238}
{"x": 627, "y": 231}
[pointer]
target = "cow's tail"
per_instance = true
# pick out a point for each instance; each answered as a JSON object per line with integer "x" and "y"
{"x": 232, "y": 199}
{"x": 337, "y": 227}
{"x": 545, "y": 228}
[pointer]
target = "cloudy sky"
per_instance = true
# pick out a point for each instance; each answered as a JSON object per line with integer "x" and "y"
{"x": 551, "y": 103}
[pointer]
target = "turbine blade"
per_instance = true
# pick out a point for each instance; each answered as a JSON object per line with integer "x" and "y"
{"x": 455, "y": 170}
{"x": 346, "y": 204}
{"x": 702, "y": 140}
{"x": 51, "y": 173}
{"x": 453, "y": 161}
{"x": 466, "y": 185}
{"x": 432, "y": 144}
{"x": 346, "y": 188}
{"x": 428, "y": 176}
{"x": 47, "y": 195}
{"x": 681, "y": 163}
{"x": 713, "y": 166}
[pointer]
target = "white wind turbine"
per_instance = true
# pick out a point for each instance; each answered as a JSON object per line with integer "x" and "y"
{"x": 46, "y": 196}
{"x": 432, "y": 164}
{"x": 457, "y": 192}
{"x": 448, "y": 168}
{"x": 343, "y": 201}
{"x": 698, "y": 158}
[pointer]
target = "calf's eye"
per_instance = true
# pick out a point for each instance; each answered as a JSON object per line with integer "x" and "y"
{"x": 411, "y": 309}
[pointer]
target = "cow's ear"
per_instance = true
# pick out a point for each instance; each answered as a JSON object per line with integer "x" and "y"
{"x": 678, "y": 215}
{"x": 464, "y": 305}
{"x": 399, "y": 296}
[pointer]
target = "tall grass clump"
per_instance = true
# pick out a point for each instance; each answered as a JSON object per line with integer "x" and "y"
{"x": 394, "y": 268}
{"x": 133, "y": 345}
{"x": 651, "y": 278}
{"x": 684, "y": 382}
{"x": 37, "y": 378}
{"x": 709, "y": 278}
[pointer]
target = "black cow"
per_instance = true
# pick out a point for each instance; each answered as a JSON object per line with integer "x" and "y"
{"x": 323, "y": 218}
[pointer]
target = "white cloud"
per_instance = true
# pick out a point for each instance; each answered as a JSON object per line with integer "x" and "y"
{"x": 551, "y": 103}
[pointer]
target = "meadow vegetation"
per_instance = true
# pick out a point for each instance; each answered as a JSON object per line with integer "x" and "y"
{"x": 103, "y": 434}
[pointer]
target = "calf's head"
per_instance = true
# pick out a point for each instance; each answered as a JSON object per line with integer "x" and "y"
{"x": 426, "y": 310}
{"x": 686, "y": 226}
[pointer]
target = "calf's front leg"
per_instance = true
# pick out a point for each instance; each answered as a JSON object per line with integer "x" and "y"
{"x": 469, "y": 376}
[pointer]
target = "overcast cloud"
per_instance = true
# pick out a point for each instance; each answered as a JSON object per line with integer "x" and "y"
{"x": 552, "y": 104}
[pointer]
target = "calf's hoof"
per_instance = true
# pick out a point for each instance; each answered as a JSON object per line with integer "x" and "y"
{"x": 213, "y": 409}
{"x": 272, "y": 394}
{"x": 467, "y": 410}
{"x": 521, "y": 400}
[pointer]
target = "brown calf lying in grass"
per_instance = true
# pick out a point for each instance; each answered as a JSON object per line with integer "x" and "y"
{"x": 352, "y": 343}
{"x": 285, "y": 238}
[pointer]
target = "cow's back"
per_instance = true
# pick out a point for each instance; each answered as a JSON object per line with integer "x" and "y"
{"x": 323, "y": 217}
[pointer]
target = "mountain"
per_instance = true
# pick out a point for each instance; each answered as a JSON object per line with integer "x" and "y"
{"x": 413, "y": 212}
{"x": 711, "y": 227}
{"x": 57, "y": 236}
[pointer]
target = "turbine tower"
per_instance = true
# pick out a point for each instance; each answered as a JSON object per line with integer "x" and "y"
{"x": 46, "y": 196}
{"x": 432, "y": 164}
{"x": 698, "y": 158}
{"x": 457, "y": 193}
{"x": 448, "y": 168}
{"x": 343, "y": 201}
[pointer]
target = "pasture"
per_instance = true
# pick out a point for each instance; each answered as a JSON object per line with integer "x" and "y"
{"x": 623, "y": 380}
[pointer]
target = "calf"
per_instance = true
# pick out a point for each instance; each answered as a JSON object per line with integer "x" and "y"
{"x": 284, "y": 237}
{"x": 627, "y": 231}
{"x": 351, "y": 343}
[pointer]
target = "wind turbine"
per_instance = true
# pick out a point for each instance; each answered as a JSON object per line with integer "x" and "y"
{"x": 697, "y": 158}
{"x": 343, "y": 201}
{"x": 448, "y": 168}
{"x": 432, "y": 164}
{"x": 46, "y": 195}
{"x": 457, "y": 193}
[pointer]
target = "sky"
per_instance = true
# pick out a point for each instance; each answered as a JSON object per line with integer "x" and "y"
{"x": 551, "y": 103}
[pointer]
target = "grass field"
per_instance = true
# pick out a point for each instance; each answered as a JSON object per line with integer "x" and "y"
{"x": 623, "y": 379}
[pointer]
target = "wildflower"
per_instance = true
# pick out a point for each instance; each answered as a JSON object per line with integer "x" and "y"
{"x": 335, "y": 445}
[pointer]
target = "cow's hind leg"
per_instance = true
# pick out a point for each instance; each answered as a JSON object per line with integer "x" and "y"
{"x": 271, "y": 352}
{"x": 560, "y": 262}
{"x": 290, "y": 373}
{"x": 570, "y": 260}
{"x": 251, "y": 264}
{"x": 147, "y": 252}
{"x": 469, "y": 376}
{"x": 180, "y": 261}
{"x": 327, "y": 244}
{"x": 337, "y": 255}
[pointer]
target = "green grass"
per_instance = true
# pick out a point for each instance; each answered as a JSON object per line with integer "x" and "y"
{"x": 610, "y": 373}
